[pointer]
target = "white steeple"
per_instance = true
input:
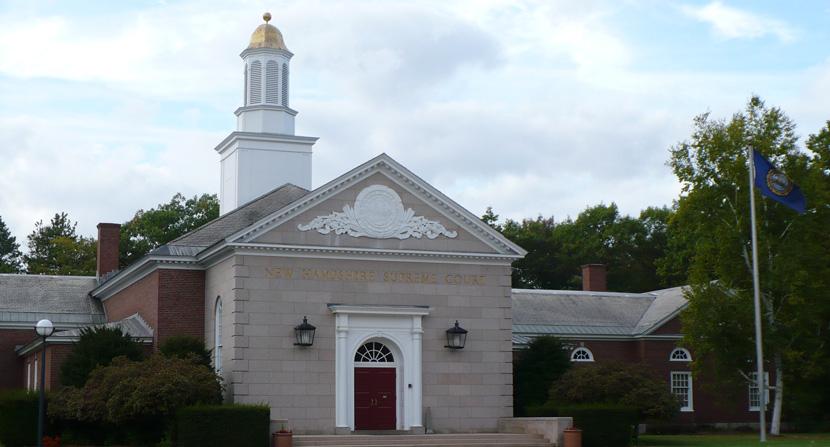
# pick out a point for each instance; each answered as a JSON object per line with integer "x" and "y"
{"x": 263, "y": 153}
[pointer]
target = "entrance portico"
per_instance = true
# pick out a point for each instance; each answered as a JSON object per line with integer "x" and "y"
{"x": 398, "y": 329}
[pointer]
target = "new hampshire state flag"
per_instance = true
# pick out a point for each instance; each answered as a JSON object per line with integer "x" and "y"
{"x": 776, "y": 185}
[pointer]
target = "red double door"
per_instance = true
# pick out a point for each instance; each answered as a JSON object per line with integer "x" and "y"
{"x": 374, "y": 398}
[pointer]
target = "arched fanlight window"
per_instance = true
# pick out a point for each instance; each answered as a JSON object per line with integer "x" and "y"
{"x": 582, "y": 355}
{"x": 680, "y": 355}
{"x": 217, "y": 335}
{"x": 374, "y": 352}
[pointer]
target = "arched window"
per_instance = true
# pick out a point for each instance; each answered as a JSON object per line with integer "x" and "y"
{"x": 680, "y": 355}
{"x": 582, "y": 355}
{"x": 285, "y": 85}
{"x": 256, "y": 82}
{"x": 271, "y": 82}
{"x": 374, "y": 352}
{"x": 217, "y": 335}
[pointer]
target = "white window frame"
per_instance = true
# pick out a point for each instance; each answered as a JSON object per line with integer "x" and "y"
{"x": 217, "y": 335}
{"x": 684, "y": 351}
{"x": 586, "y": 350}
{"x": 34, "y": 381}
{"x": 754, "y": 386}
{"x": 689, "y": 407}
{"x": 29, "y": 376}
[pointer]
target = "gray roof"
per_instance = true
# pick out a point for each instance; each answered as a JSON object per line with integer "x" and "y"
{"x": 134, "y": 326}
{"x": 25, "y": 299}
{"x": 575, "y": 313}
{"x": 236, "y": 220}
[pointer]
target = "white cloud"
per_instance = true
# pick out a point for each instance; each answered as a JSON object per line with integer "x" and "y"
{"x": 733, "y": 23}
{"x": 531, "y": 107}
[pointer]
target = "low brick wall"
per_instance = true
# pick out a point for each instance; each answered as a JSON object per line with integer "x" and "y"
{"x": 552, "y": 429}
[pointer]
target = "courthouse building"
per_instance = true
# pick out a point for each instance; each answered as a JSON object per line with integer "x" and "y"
{"x": 385, "y": 267}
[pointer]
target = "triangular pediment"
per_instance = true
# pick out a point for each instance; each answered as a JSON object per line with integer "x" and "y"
{"x": 380, "y": 205}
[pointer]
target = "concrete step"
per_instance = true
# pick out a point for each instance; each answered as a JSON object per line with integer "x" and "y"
{"x": 435, "y": 440}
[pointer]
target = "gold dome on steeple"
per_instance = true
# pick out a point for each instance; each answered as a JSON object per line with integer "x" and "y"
{"x": 267, "y": 36}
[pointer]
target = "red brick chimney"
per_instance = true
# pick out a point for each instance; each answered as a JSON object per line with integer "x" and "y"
{"x": 594, "y": 278}
{"x": 109, "y": 236}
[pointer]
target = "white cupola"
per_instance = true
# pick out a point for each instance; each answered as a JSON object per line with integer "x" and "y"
{"x": 263, "y": 153}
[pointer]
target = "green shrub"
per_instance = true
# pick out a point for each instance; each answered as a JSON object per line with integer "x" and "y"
{"x": 136, "y": 399}
{"x": 18, "y": 418}
{"x": 603, "y": 425}
{"x": 222, "y": 425}
{"x": 97, "y": 347}
{"x": 628, "y": 385}
{"x": 535, "y": 370}
{"x": 183, "y": 346}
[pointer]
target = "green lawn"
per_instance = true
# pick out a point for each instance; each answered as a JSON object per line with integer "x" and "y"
{"x": 742, "y": 440}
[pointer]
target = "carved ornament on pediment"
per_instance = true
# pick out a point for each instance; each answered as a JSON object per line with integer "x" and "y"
{"x": 378, "y": 212}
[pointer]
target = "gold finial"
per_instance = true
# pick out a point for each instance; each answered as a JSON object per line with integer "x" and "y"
{"x": 267, "y": 17}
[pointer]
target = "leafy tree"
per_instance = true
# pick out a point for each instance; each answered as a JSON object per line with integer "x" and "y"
{"x": 97, "y": 347}
{"x": 183, "y": 346}
{"x": 143, "y": 394}
{"x": 544, "y": 361}
{"x": 629, "y": 385}
{"x": 157, "y": 226}
{"x": 629, "y": 246}
{"x": 712, "y": 231}
{"x": 9, "y": 251}
{"x": 55, "y": 249}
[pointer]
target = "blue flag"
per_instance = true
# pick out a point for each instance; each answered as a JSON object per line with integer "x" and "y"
{"x": 776, "y": 185}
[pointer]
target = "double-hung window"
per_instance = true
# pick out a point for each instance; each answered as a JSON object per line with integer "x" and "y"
{"x": 754, "y": 395}
{"x": 681, "y": 386}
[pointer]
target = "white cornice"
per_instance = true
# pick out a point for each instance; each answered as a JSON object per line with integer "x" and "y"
{"x": 63, "y": 340}
{"x": 379, "y": 309}
{"x": 404, "y": 178}
{"x": 370, "y": 254}
{"x": 266, "y": 137}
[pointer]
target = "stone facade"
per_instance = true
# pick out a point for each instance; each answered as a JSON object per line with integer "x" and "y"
{"x": 463, "y": 391}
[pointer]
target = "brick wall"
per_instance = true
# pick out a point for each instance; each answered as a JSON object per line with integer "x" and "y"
{"x": 171, "y": 301}
{"x": 181, "y": 303}
{"x": 140, "y": 297}
{"x": 12, "y": 369}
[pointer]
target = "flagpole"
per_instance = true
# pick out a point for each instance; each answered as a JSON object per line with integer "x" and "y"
{"x": 759, "y": 350}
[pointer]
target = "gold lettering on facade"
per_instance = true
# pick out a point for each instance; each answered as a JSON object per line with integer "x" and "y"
{"x": 410, "y": 277}
{"x": 371, "y": 276}
{"x": 279, "y": 272}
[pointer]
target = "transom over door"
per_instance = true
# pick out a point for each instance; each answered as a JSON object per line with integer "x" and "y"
{"x": 374, "y": 389}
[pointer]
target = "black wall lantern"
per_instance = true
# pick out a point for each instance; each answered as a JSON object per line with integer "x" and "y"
{"x": 304, "y": 333}
{"x": 456, "y": 337}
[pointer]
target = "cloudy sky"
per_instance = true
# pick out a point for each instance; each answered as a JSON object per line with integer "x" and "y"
{"x": 530, "y": 107}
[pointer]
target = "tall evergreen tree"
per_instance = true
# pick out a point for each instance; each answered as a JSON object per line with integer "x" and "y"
{"x": 9, "y": 251}
{"x": 56, "y": 249}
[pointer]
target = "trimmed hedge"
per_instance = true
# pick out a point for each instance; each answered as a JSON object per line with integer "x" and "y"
{"x": 18, "y": 418}
{"x": 603, "y": 425}
{"x": 222, "y": 425}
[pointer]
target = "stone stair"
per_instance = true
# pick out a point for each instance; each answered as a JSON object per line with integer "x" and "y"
{"x": 436, "y": 440}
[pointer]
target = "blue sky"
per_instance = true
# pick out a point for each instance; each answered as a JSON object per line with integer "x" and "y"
{"x": 530, "y": 107}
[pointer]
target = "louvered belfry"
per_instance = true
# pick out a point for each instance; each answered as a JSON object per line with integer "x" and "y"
{"x": 263, "y": 153}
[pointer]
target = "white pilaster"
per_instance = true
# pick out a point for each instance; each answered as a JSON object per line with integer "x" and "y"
{"x": 341, "y": 365}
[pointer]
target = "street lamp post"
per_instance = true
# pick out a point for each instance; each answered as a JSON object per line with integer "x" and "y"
{"x": 44, "y": 328}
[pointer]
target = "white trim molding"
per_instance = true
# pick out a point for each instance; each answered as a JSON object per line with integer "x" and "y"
{"x": 399, "y": 328}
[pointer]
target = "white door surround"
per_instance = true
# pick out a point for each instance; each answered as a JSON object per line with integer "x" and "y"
{"x": 400, "y": 329}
